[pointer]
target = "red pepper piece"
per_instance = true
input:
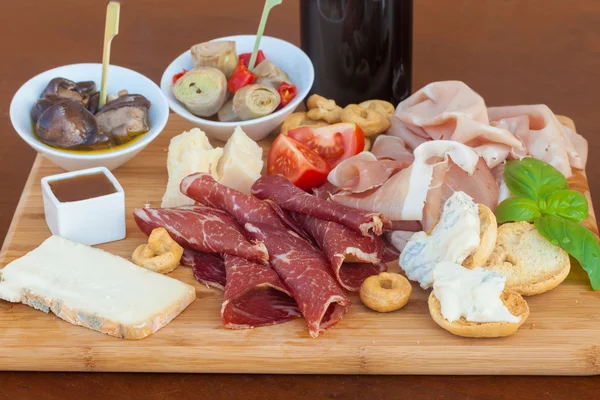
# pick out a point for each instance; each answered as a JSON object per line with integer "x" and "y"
{"x": 179, "y": 75}
{"x": 260, "y": 56}
{"x": 287, "y": 92}
{"x": 241, "y": 77}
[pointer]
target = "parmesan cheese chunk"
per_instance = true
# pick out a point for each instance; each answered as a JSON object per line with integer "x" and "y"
{"x": 241, "y": 163}
{"x": 95, "y": 289}
{"x": 189, "y": 152}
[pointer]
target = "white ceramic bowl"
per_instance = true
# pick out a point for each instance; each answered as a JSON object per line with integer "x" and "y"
{"x": 281, "y": 53}
{"x": 118, "y": 78}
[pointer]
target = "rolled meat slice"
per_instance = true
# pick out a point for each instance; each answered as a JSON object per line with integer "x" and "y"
{"x": 202, "y": 91}
{"x": 255, "y": 101}
{"x": 307, "y": 275}
{"x": 202, "y": 229}
{"x": 221, "y": 55}
{"x": 340, "y": 243}
{"x": 254, "y": 296}
{"x": 244, "y": 208}
{"x": 291, "y": 198}
{"x": 208, "y": 269}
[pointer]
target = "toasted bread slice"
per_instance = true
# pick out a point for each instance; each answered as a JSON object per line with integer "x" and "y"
{"x": 488, "y": 234}
{"x": 531, "y": 264}
{"x": 512, "y": 300}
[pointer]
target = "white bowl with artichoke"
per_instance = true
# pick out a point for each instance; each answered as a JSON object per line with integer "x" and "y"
{"x": 211, "y": 85}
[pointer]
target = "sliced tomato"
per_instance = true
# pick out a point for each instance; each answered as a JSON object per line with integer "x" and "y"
{"x": 298, "y": 163}
{"x": 334, "y": 143}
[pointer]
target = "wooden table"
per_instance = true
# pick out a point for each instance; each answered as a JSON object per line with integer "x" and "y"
{"x": 538, "y": 51}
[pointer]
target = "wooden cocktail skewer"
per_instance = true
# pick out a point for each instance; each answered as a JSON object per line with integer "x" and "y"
{"x": 261, "y": 28}
{"x": 111, "y": 29}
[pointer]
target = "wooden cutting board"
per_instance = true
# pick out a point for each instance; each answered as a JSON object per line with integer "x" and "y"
{"x": 561, "y": 336}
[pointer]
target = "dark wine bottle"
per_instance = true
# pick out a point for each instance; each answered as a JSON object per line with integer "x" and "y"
{"x": 361, "y": 49}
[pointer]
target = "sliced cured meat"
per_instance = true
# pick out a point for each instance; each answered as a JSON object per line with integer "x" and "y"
{"x": 544, "y": 136}
{"x": 450, "y": 110}
{"x": 202, "y": 229}
{"x": 290, "y": 222}
{"x": 503, "y": 191}
{"x": 418, "y": 193}
{"x": 208, "y": 269}
{"x": 340, "y": 243}
{"x": 390, "y": 252}
{"x": 307, "y": 275}
{"x": 244, "y": 208}
{"x": 364, "y": 172}
{"x": 254, "y": 296}
{"x": 291, "y": 198}
{"x": 391, "y": 147}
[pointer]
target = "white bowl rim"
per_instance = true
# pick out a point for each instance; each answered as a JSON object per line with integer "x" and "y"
{"x": 140, "y": 144}
{"x": 290, "y": 106}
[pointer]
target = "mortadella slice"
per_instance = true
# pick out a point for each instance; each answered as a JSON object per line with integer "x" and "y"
{"x": 340, "y": 243}
{"x": 208, "y": 269}
{"x": 291, "y": 198}
{"x": 307, "y": 275}
{"x": 202, "y": 229}
{"x": 254, "y": 296}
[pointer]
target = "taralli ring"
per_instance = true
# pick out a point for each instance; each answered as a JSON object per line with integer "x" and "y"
{"x": 371, "y": 122}
{"x": 298, "y": 119}
{"x": 162, "y": 254}
{"x": 383, "y": 107}
{"x": 320, "y": 108}
{"x": 385, "y": 292}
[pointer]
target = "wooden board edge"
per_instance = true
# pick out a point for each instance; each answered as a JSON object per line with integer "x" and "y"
{"x": 19, "y": 210}
{"x": 363, "y": 361}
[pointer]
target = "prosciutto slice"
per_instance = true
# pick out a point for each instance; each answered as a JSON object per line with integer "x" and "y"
{"x": 307, "y": 275}
{"x": 244, "y": 208}
{"x": 254, "y": 296}
{"x": 339, "y": 243}
{"x": 364, "y": 171}
{"x": 391, "y": 147}
{"x": 543, "y": 135}
{"x": 418, "y": 193}
{"x": 451, "y": 110}
{"x": 208, "y": 269}
{"x": 202, "y": 229}
{"x": 289, "y": 197}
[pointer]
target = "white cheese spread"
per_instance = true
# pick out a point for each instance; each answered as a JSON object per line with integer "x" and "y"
{"x": 454, "y": 237}
{"x": 470, "y": 293}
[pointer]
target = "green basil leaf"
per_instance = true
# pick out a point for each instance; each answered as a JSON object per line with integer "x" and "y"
{"x": 517, "y": 209}
{"x": 569, "y": 204}
{"x": 532, "y": 178}
{"x": 576, "y": 240}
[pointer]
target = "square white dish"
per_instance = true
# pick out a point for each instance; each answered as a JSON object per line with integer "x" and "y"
{"x": 91, "y": 221}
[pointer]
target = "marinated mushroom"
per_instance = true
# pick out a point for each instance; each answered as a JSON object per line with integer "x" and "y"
{"x": 125, "y": 115}
{"x": 42, "y": 104}
{"x": 61, "y": 87}
{"x": 93, "y": 103}
{"x": 67, "y": 124}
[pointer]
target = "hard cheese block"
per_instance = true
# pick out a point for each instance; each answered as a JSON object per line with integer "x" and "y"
{"x": 95, "y": 289}
{"x": 189, "y": 152}
{"x": 241, "y": 163}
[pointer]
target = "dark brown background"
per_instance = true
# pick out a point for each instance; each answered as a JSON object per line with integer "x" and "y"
{"x": 510, "y": 51}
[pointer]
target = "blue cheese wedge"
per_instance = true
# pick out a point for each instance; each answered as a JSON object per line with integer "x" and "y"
{"x": 456, "y": 235}
{"x": 95, "y": 289}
